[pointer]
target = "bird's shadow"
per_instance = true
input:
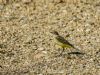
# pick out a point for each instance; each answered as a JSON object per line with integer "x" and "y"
{"x": 76, "y": 53}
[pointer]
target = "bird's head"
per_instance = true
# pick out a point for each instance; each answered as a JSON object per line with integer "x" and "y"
{"x": 55, "y": 33}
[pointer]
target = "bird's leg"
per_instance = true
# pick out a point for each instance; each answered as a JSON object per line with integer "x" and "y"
{"x": 62, "y": 50}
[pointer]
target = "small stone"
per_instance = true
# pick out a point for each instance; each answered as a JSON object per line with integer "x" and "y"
{"x": 1, "y": 7}
{"x": 34, "y": 47}
{"x": 26, "y": 1}
{"x": 40, "y": 74}
{"x": 41, "y": 48}
{"x": 45, "y": 52}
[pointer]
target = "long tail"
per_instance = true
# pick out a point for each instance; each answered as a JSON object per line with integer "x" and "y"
{"x": 76, "y": 48}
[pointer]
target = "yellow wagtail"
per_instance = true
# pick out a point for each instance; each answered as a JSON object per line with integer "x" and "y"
{"x": 64, "y": 43}
{"x": 61, "y": 41}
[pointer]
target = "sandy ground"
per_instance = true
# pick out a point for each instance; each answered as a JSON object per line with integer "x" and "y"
{"x": 27, "y": 47}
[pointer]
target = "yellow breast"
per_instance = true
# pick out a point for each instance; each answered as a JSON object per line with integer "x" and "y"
{"x": 63, "y": 45}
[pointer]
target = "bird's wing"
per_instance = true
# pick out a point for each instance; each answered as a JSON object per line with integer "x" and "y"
{"x": 62, "y": 40}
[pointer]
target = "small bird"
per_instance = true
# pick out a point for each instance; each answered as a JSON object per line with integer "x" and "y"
{"x": 61, "y": 41}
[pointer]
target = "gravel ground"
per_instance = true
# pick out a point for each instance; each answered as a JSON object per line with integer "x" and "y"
{"x": 27, "y": 47}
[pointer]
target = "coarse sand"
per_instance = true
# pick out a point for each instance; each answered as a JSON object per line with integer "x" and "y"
{"x": 27, "y": 47}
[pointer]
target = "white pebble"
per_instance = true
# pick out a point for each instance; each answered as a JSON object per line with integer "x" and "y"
{"x": 41, "y": 48}
{"x": 26, "y": 1}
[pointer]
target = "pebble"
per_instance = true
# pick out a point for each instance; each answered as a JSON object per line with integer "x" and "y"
{"x": 26, "y": 1}
{"x": 45, "y": 52}
{"x": 1, "y": 7}
{"x": 34, "y": 47}
{"x": 41, "y": 48}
